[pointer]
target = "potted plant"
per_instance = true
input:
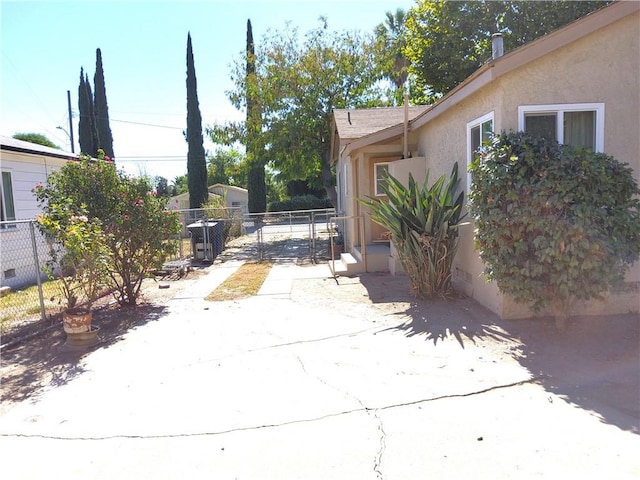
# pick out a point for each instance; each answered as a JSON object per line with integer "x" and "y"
{"x": 78, "y": 260}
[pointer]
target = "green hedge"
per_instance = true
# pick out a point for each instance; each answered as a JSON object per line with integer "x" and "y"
{"x": 304, "y": 202}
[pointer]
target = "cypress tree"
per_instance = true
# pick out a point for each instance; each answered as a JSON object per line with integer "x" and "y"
{"x": 196, "y": 163}
{"x": 257, "y": 191}
{"x": 86, "y": 130}
{"x": 101, "y": 109}
{"x": 92, "y": 118}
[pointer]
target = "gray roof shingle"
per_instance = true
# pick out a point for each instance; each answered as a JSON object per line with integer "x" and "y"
{"x": 354, "y": 123}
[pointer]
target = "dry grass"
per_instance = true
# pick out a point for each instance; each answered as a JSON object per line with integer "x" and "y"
{"x": 245, "y": 282}
{"x": 23, "y": 305}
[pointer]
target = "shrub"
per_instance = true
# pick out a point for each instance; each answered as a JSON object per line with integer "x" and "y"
{"x": 302, "y": 202}
{"x": 554, "y": 223}
{"x": 424, "y": 223}
{"x": 132, "y": 222}
{"x": 77, "y": 256}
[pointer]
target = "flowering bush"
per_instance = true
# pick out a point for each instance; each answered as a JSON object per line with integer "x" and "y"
{"x": 138, "y": 231}
{"x": 77, "y": 256}
{"x": 124, "y": 216}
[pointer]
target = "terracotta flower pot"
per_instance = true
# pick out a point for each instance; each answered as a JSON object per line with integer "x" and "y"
{"x": 83, "y": 339}
{"x": 77, "y": 320}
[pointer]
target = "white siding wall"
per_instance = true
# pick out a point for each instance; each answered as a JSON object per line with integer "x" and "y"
{"x": 16, "y": 246}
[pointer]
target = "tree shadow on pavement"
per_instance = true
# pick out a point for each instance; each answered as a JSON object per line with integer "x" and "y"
{"x": 594, "y": 364}
{"x": 460, "y": 318}
{"x": 435, "y": 319}
{"x": 43, "y": 362}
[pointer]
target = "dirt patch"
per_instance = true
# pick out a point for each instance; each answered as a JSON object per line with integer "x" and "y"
{"x": 245, "y": 282}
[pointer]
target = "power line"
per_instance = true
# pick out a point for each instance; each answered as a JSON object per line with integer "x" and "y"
{"x": 146, "y": 158}
{"x": 147, "y": 124}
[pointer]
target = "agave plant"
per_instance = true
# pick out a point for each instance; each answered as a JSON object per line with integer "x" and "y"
{"x": 423, "y": 222}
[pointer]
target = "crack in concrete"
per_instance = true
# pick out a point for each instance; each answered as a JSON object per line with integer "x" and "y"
{"x": 373, "y": 413}
{"x": 285, "y": 344}
{"x": 383, "y": 445}
{"x": 363, "y": 409}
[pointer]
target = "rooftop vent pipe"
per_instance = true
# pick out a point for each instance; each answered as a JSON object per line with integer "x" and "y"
{"x": 497, "y": 45}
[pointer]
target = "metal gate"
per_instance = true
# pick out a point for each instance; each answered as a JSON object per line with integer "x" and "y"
{"x": 301, "y": 236}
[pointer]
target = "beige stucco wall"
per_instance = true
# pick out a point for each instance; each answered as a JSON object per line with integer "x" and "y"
{"x": 359, "y": 184}
{"x": 602, "y": 67}
{"x": 237, "y": 196}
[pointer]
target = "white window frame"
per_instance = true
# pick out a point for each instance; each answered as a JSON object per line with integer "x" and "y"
{"x": 375, "y": 174}
{"x": 4, "y": 199}
{"x": 478, "y": 122}
{"x": 560, "y": 109}
{"x": 345, "y": 178}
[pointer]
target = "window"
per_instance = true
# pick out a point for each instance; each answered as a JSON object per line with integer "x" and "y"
{"x": 478, "y": 132}
{"x": 580, "y": 124}
{"x": 7, "y": 208}
{"x": 381, "y": 172}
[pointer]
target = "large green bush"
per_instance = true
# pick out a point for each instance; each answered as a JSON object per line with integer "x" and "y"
{"x": 424, "y": 223}
{"x": 301, "y": 202}
{"x": 555, "y": 224}
{"x": 132, "y": 221}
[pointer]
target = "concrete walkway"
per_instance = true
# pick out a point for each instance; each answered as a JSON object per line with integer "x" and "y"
{"x": 270, "y": 388}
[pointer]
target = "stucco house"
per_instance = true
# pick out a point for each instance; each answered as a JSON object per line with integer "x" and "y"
{"x": 587, "y": 72}
{"x": 181, "y": 202}
{"x": 23, "y": 165}
{"x": 235, "y": 197}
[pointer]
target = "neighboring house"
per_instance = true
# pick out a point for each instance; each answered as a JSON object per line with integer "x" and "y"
{"x": 236, "y": 197}
{"x": 181, "y": 202}
{"x": 23, "y": 165}
{"x": 586, "y": 73}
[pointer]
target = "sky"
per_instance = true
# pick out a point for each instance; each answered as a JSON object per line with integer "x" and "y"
{"x": 44, "y": 44}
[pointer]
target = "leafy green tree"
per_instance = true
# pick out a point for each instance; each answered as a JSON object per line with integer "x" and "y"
{"x": 134, "y": 225}
{"x": 423, "y": 221}
{"x": 299, "y": 84}
{"x": 105, "y": 138}
{"x": 87, "y": 133}
{"x": 390, "y": 44}
{"x": 224, "y": 167}
{"x": 36, "y": 138}
{"x": 254, "y": 140}
{"x": 555, "y": 224}
{"x": 162, "y": 187}
{"x": 196, "y": 163}
{"x": 179, "y": 185}
{"x": 449, "y": 40}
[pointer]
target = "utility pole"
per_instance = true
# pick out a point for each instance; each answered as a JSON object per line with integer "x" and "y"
{"x": 70, "y": 121}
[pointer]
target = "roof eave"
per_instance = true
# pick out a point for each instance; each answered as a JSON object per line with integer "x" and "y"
{"x": 376, "y": 137}
{"x": 62, "y": 155}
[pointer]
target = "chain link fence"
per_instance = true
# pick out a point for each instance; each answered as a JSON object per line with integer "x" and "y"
{"x": 302, "y": 234}
{"x": 205, "y": 233}
{"x": 29, "y": 300}
{"x": 26, "y": 294}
